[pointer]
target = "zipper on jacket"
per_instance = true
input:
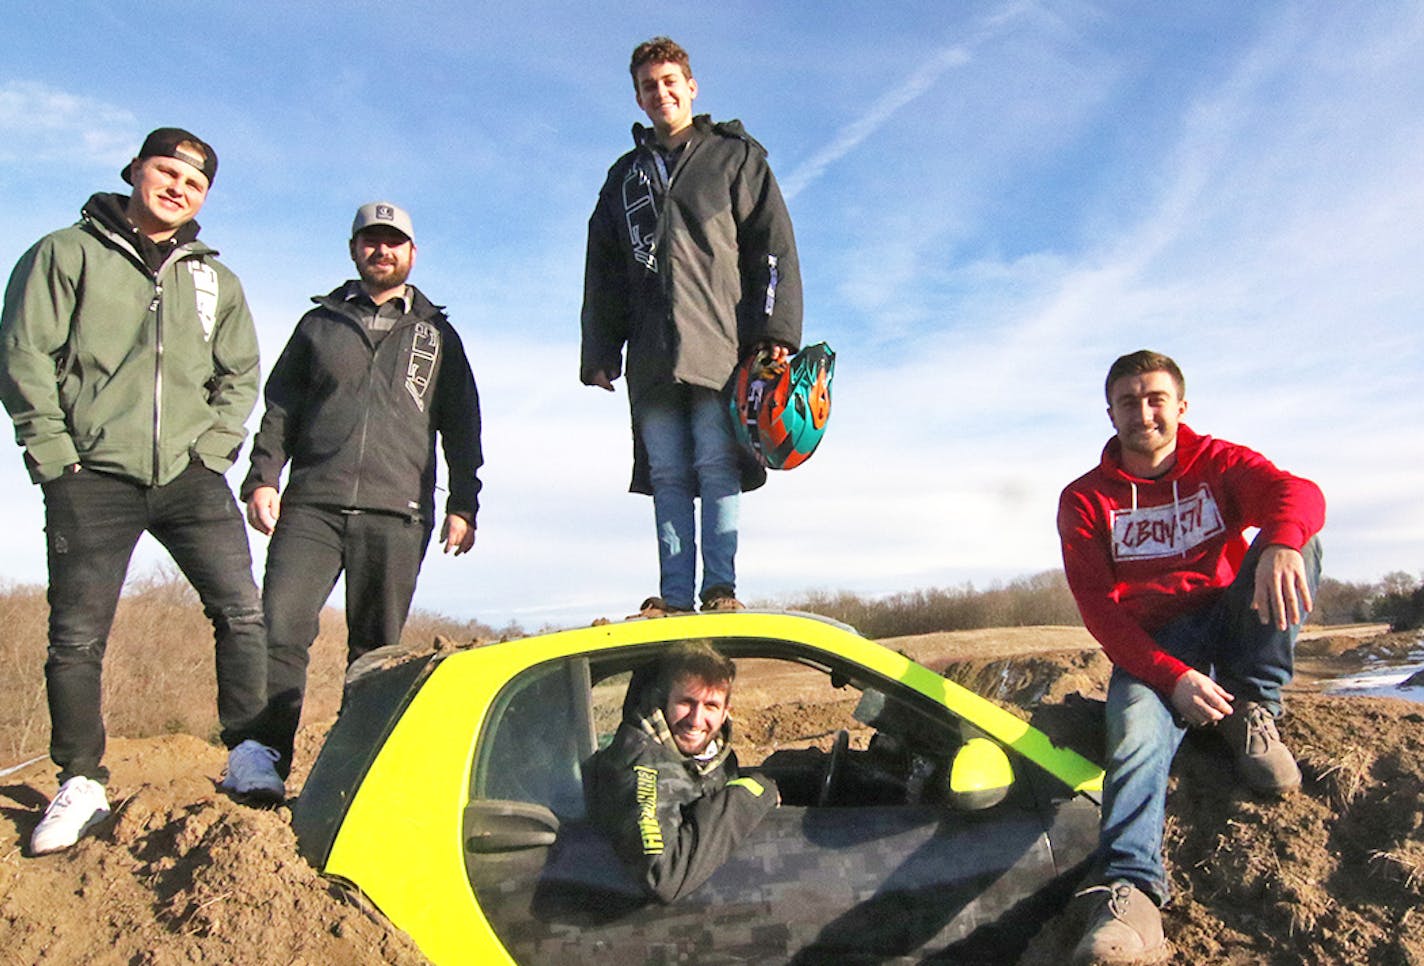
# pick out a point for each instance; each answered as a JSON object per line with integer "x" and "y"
{"x": 156, "y": 308}
{"x": 372, "y": 371}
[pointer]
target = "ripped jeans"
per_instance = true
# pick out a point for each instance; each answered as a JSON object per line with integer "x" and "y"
{"x": 92, "y": 523}
{"x": 687, "y": 432}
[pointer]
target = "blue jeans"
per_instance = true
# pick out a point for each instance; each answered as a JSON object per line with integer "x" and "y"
{"x": 92, "y": 522}
{"x": 687, "y": 433}
{"x": 1249, "y": 659}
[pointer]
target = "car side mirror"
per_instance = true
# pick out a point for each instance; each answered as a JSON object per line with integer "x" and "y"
{"x": 980, "y": 775}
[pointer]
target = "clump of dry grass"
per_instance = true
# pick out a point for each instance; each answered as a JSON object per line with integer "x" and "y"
{"x": 1404, "y": 864}
{"x": 1346, "y": 774}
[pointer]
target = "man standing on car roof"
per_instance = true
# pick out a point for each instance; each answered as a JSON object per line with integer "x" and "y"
{"x": 666, "y": 790}
{"x": 692, "y": 264}
{"x": 368, "y": 379}
{"x": 128, "y": 362}
{"x": 1155, "y": 556}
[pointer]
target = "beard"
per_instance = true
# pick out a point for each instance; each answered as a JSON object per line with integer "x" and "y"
{"x": 383, "y": 277}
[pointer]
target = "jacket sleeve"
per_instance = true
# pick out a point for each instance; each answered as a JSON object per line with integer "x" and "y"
{"x": 705, "y": 834}
{"x": 770, "y": 308}
{"x": 1087, "y": 563}
{"x": 34, "y": 330}
{"x": 286, "y": 389}
{"x": 459, "y": 427}
{"x": 606, "y": 309}
{"x": 232, "y": 390}
{"x": 670, "y": 835}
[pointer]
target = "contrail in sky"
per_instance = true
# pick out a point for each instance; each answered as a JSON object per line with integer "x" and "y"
{"x": 854, "y": 134}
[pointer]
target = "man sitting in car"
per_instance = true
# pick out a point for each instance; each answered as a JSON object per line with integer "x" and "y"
{"x": 666, "y": 790}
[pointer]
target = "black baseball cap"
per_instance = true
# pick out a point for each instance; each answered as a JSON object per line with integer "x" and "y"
{"x": 165, "y": 143}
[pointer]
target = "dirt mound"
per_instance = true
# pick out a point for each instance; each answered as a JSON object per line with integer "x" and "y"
{"x": 1333, "y": 874}
{"x": 179, "y": 874}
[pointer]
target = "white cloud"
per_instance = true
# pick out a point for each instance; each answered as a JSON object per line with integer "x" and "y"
{"x": 43, "y": 123}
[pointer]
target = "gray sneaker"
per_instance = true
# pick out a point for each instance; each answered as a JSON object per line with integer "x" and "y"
{"x": 1263, "y": 762}
{"x": 1124, "y": 926}
{"x": 252, "y": 774}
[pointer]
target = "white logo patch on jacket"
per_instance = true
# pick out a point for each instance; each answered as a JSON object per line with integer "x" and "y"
{"x": 1149, "y": 533}
{"x": 420, "y": 369}
{"x": 640, "y": 213}
{"x": 205, "y": 292}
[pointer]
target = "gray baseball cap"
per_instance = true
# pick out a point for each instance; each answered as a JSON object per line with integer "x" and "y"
{"x": 382, "y": 213}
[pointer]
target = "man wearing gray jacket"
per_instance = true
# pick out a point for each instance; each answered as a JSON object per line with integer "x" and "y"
{"x": 128, "y": 362}
{"x": 692, "y": 265}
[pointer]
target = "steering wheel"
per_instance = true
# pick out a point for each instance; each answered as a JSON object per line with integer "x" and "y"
{"x": 835, "y": 764}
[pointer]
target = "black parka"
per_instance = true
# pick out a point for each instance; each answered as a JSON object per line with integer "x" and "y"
{"x": 689, "y": 268}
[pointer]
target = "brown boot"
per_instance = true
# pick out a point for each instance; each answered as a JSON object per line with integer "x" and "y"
{"x": 657, "y": 607}
{"x": 720, "y": 598}
{"x": 1124, "y": 926}
{"x": 1263, "y": 762}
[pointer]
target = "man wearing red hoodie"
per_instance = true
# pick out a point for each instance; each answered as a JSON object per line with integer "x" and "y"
{"x": 1200, "y": 627}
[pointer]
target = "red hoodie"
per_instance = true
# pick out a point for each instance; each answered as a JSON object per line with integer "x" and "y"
{"x": 1139, "y": 553}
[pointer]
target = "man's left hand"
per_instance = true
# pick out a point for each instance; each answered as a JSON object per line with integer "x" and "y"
{"x": 1282, "y": 590}
{"x": 458, "y": 534}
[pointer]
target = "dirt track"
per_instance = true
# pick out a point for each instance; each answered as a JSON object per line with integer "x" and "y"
{"x": 1334, "y": 874}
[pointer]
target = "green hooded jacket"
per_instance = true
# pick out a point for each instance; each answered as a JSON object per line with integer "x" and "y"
{"x": 121, "y": 369}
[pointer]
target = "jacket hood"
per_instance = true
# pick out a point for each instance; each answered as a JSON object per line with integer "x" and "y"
{"x": 654, "y": 725}
{"x": 110, "y": 210}
{"x": 703, "y": 125}
{"x": 1190, "y": 446}
{"x": 642, "y": 708}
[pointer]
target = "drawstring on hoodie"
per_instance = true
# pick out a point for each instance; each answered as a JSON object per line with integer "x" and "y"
{"x": 1176, "y": 515}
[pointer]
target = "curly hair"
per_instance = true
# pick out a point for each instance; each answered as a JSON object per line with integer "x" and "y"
{"x": 659, "y": 50}
{"x": 696, "y": 659}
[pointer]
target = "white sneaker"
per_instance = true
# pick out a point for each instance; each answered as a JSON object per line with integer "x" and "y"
{"x": 79, "y": 806}
{"x": 252, "y": 773}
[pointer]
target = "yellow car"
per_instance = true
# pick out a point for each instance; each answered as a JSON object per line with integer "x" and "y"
{"x": 449, "y": 793}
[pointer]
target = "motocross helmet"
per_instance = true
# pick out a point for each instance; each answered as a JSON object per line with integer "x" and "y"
{"x": 780, "y": 410}
{"x": 749, "y": 385}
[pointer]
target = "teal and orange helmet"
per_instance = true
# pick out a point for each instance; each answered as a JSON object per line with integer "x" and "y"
{"x": 779, "y": 410}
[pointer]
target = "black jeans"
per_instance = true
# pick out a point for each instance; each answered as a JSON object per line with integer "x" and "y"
{"x": 381, "y": 555}
{"x": 92, "y": 522}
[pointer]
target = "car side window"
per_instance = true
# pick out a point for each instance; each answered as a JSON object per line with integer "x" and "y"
{"x": 608, "y": 697}
{"x": 540, "y": 731}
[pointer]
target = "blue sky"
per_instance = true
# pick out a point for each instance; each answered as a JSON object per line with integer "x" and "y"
{"x": 992, "y": 201}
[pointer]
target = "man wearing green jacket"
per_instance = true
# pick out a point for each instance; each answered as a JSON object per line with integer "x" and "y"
{"x": 128, "y": 362}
